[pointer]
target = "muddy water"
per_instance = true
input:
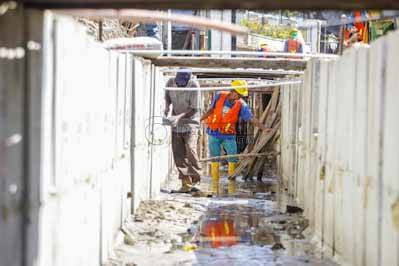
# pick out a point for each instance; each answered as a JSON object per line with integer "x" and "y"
{"x": 228, "y": 223}
{"x": 246, "y": 224}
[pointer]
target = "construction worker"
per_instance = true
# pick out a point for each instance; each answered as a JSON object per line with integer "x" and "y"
{"x": 293, "y": 44}
{"x": 185, "y": 127}
{"x": 221, "y": 119}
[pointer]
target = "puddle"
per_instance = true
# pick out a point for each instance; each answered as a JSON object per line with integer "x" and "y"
{"x": 228, "y": 223}
{"x": 232, "y": 224}
{"x": 238, "y": 215}
{"x": 250, "y": 218}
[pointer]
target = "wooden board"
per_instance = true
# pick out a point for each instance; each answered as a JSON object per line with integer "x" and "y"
{"x": 211, "y": 62}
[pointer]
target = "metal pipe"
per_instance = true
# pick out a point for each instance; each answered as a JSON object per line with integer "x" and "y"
{"x": 169, "y": 32}
{"x": 149, "y": 16}
{"x": 242, "y": 155}
{"x": 222, "y": 52}
{"x": 266, "y": 85}
{"x": 232, "y": 71}
{"x": 226, "y": 79}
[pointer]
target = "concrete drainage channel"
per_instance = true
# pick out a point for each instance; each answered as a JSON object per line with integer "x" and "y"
{"x": 252, "y": 225}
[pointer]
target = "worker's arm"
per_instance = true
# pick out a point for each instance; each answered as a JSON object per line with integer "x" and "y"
{"x": 247, "y": 116}
{"x": 206, "y": 114}
{"x": 258, "y": 124}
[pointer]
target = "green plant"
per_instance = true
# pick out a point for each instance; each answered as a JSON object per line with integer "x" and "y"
{"x": 274, "y": 31}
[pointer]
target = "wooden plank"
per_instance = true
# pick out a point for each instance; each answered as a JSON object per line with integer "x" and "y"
{"x": 211, "y": 62}
{"x": 242, "y": 75}
{"x": 257, "y": 148}
{"x": 12, "y": 141}
{"x": 233, "y": 156}
{"x": 220, "y": 4}
{"x": 270, "y": 121}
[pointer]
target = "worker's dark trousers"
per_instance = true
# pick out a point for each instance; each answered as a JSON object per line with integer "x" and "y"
{"x": 184, "y": 147}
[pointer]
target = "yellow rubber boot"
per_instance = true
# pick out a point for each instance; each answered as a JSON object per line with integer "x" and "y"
{"x": 186, "y": 185}
{"x": 232, "y": 168}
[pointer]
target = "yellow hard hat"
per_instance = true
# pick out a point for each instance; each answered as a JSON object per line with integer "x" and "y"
{"x": 240, "y": 86}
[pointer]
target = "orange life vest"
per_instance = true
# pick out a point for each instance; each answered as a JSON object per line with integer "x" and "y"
{"x": 225, "y": 123}
{"x": 293, "y": 46}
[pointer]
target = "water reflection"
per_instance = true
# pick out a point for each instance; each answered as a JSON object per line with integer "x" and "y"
{"x": 228, "y": 225}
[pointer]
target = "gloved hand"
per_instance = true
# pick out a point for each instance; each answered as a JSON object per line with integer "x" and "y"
{"x": 170, "y": 121}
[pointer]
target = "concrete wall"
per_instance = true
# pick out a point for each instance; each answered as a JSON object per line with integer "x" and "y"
{"x": 340, "y": 151}
{"x": 97, "y": 108}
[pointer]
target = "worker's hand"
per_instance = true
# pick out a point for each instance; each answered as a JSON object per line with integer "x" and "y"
{"x": 175, "y": 121}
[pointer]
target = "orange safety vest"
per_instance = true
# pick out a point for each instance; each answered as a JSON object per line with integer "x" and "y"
{"x": 226, "y": 124}
{"x": 293, "y": 46}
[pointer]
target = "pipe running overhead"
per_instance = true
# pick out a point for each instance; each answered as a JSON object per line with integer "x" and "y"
{"x": 150, "y": 16}
{"x": 233, "y": 71}
{"x": 233, "y": 53}
{"x": 265, "y": 85}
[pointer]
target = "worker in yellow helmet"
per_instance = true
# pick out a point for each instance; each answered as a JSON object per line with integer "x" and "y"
{"x": 221, "y": 119}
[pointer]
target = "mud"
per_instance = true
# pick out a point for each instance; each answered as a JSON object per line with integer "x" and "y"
{"x": 228, "y": 223}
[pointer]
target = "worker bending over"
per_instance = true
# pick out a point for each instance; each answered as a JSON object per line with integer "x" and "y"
{"x": 221, "y": 119}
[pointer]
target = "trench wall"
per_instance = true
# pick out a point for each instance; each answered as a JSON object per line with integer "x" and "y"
{"x": 98, "y": 109}
{"x": 340, "y": 150}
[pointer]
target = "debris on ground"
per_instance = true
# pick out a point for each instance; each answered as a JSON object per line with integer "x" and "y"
{"x": 248, "y": 227}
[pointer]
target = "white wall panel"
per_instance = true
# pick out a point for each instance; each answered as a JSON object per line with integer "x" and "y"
{"x": 347, "y": 174}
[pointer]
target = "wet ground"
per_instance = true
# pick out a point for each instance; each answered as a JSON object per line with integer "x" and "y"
{"x": 229, "y": 223}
